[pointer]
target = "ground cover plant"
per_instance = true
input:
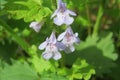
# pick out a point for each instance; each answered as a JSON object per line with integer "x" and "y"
{"x": 59, "y": 39}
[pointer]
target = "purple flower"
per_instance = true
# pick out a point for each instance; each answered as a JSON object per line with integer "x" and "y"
{"x": 36, "y": 26}
{"x": 69, "y": 38}
{"x": 52, "y": 47}
{"x": 63, "y": 14}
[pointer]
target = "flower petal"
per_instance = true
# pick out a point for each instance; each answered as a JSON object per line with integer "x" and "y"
{"x": 58, "y": 20}
{"x": 71, "y": 12}
{"x": 43, "y": 45}
{"x": 68, "y": 20}
{"x": 60, "y": 46}
{"x": 47, "y": 55}
{"x": 57, "y": 55}
{"x": 33, "y": 23}
{"x": 77, "y": 40}
{"x": 52, "y": 38}
{"x": 67, "y": 50}
{"x": 61, "y": 36}
{"x": 59, "y": 4}
{"x": 69, "y": 31}
{"x": 72, "y": 48}
{"x": 76, "y": 34}
{"x": 36, "y": 26}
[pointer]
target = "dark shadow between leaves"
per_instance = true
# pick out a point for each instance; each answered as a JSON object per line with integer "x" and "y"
{"x": 94, "y": 57}
{"x": 7, "y": 50}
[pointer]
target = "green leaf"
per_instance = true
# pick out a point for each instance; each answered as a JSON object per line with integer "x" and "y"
{"x": 52, "y": 76}
{"x": 18, "y": 71}
{"x": 31, "y": 14}
{"x": 62, "y": 71}
{"x": 38, "y": 1}
{"x": 33, "y": 50}
{"x": 40, "y": 64}
{"x": 1, "y": 66}
{"x": 82, "y": 70}
{"x": 43, "y": 12}
{"x": 116, "y": 71}
{"x": 98, "y": 52}
{"x": 27, "y": 10}
{"x": 107, "y": 46}
{"x": 77, "y": 75}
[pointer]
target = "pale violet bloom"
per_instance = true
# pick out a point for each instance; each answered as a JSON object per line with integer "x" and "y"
{"x": 36, "y": 26}
{"x": 69, "y": 38}
{"x": 52, "y": 47}
{"x": 63, "y": 14}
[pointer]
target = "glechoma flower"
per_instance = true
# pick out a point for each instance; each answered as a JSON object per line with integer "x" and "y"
{"x": 63, "y": 14}
{"x": 36, "y": 25}
{"x": 69, "y": 38}
{"x": 52, "y": 47}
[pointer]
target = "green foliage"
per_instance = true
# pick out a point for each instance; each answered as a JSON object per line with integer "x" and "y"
{"x": 30, "y": 10}
{"x": 18, "y": 71}
{"x": 4, "y": 48}
{"x": 100, "y": 51}
{"x": 50, "y": 76}
{"x": 96, "y": 57}
{"x": 82, "y": 70}
{"x": 116, "y": 71}
{"x": 108, "y": 48}
{"x": 41, "y": 65}
{"x": 2, "y": 3}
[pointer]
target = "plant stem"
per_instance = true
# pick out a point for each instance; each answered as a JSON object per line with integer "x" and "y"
{"x": 99, "y": 16}
{"x": 88, "y": 17}
{"x": 62, "y": 61}
{"x": 17, "y": 39}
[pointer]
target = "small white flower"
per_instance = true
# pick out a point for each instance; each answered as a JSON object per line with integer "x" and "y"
{"x": 69, "y": 38}
{"x": 51, "y": 46}
{"x": 63, "y": 15}
{"x": 36, "y": 26}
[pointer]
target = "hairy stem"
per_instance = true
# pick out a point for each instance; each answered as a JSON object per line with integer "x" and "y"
{"x": 88, "y": 17}
{"x": 98, "y": 20}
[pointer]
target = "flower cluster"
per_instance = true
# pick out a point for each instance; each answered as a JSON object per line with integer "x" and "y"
{"x": 65, "y": 41}
{"x": 63, "y": 14}
{"x": 52, "y": 47}
{"x": 69, "y": 38}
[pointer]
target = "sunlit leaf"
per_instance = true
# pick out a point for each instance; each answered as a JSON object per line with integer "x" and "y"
{"x": 18, "y": 71}
{"x": 52, "y": 76}
{"x": 82, "y": 70}
{"x": 29, "y": 10}
{"x": 41, "y": 65}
